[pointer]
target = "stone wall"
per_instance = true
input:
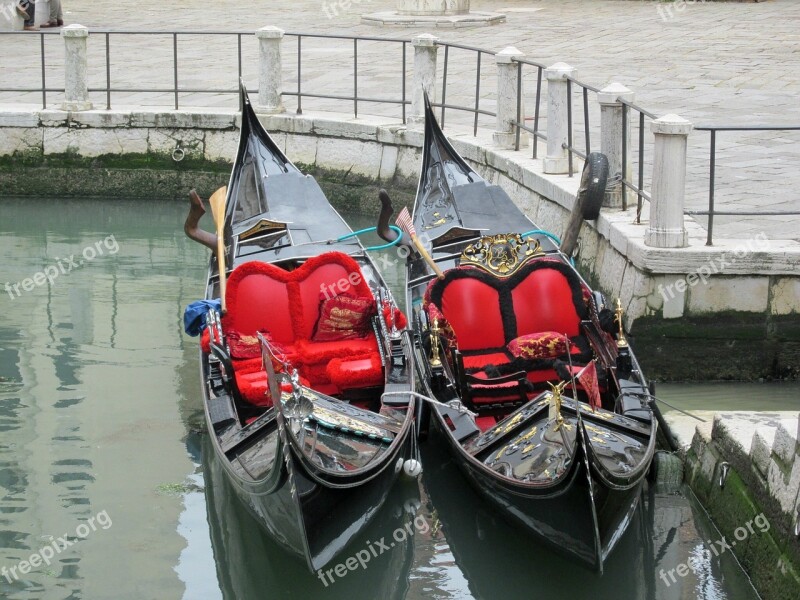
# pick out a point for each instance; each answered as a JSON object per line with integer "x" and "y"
{"x": 743, "y": 466}
{"x": 669, "y": 294}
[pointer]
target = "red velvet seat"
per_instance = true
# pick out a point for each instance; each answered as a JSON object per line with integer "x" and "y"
{"x": 483, "y": 312}
{"x": 286, "y": 304}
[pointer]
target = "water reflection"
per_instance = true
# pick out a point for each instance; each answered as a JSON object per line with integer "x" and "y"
{"x": 99, "y": 410}
{"x": 88, "y": 393}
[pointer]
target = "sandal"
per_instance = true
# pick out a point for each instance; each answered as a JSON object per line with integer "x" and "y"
{"x": 51, "y": 24}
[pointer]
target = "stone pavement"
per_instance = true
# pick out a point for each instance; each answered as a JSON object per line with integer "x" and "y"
{"x": 710, "y": 62}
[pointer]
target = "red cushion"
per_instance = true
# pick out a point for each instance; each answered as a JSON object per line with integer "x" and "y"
{"x": 205, "y": 341}
{"x": 343, "y": 318}
{"x": 485, "y": 422}
{"x": 545, "y": 344}
{"x": 493, "y": 392}
{"x": 478, "y": 361}
{"x": 473, "y": 310}
{"x": 356, "y": 372}
{"x": 254, "y": 387}
{"x": 318, "y": 352}
{"x": 543, "y": 302}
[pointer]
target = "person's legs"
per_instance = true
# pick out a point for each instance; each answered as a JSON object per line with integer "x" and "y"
{"x": 55, "y": 11}
{"x": 30, "y": 8}
{"x": 56, "y": 17}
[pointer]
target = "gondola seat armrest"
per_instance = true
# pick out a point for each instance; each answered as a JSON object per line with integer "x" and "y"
{"x": 515, "y": 377}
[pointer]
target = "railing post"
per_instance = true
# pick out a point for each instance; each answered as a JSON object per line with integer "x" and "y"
{"x": 556, "y": 160}
{"x": 666, "y": 228}
{"x": 611, "y": 130}
{"x": 508, "y": 87}
{"x": 269, "y": 70}
{"x": 425, "y": 50}
{"x": 76, "y": 89}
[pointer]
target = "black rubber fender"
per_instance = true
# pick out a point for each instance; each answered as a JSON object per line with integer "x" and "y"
{"x": 593, "y": 184}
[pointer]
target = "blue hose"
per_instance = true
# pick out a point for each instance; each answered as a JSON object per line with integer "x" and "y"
{"x": 396, "y": 241}
{"x": 552, "y": 236}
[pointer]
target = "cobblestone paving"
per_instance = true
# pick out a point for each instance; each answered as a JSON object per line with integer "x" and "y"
{"x": 711, "y": 62}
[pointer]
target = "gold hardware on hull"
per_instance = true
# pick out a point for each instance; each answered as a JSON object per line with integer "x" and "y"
{"x": 435, "y": 361}
{"x": 621, "y": 341}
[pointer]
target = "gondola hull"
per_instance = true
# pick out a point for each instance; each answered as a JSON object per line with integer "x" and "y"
{"x": 497, "y": 331}
{"x": 308, "y": 519}
{"x": 313, "y": 477}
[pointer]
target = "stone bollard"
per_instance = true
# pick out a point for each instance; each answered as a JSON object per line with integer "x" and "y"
{"x": 42, "y": 12}
{"x": 269, "y": 70}
{"x": 507, "y": 84}
{"x": 432, "y": 7}
{"x": 557, "y": 160}
{"x": 666, "y": 228}
{"x": 76, "y": 90}
{"x": 425, "y": 50}
{"x": 611, "y": 140}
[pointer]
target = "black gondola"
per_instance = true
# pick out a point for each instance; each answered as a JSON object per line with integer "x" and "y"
{"x": 542, "y": 402}
{"x": 309, "y": 320}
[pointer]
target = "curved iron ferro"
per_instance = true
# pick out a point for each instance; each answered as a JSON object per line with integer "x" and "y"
{"x": 191, "y": 226}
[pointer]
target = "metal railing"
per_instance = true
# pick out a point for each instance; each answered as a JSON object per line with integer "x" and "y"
{"x": 638, "y": 189}
{"x": 519, "y": 122}
{"x": 712, "y": 164}
{"x": 476, "y": 109}
{"x": 304, "y": 90}
{"x": 570, "y": 146}
{"x": 355, "y": 99}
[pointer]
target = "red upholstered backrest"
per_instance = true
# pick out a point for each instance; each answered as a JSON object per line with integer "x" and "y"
{"x": 261, "y": 296}
{"x": 258, "y": 299}
{"x": 486, "y": 311}
{"x": 543, "y": 301}
{"x": 323, "y": 276}
{"x": 473, "y": 310}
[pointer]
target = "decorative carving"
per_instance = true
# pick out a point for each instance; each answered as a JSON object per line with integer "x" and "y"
{"x": 501, "y": 254}
{"x": 262, "y": 228}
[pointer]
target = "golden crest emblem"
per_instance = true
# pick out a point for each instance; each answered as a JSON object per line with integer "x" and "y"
{"x": 501, "y": 254}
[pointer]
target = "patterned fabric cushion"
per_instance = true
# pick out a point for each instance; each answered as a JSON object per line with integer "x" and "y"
{"x": 244, "y": 346}
{"x": 545, "y": 344}
{"x": 343, "y": 318}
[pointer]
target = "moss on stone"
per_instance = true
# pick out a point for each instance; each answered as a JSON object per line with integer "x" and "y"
{"x": 764, "y": 556}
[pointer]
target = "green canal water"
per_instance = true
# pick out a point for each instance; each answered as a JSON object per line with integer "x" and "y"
{"x": 106, "y": 472}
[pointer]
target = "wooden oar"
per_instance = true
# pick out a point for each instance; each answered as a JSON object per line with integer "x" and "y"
{"x": 217, "y": 202}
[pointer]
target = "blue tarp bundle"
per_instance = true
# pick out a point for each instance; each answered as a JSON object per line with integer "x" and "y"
{"x": 194, "y": 317}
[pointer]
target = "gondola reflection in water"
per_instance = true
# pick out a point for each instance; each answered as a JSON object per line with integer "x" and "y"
{"x": 542, "y": 402}
{"x": 310, "y": 445}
